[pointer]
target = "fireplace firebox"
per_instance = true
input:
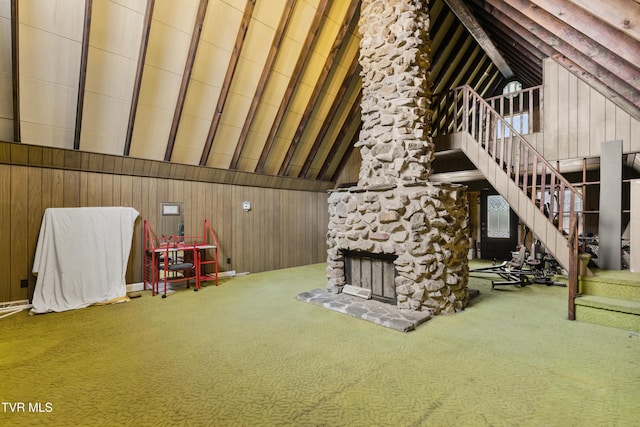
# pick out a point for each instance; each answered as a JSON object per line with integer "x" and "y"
{"x": 372, "y": 271}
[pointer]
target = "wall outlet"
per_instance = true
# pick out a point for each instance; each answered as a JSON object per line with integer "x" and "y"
{"x": 228, "y": 260}
{"x": 24, "y": 283}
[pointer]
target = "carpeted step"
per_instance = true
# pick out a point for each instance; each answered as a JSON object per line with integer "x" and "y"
{"x": 610, "y": 287}
{"x": 613, "y": 312}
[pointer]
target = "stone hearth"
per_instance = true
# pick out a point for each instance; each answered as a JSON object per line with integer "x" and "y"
{"x": 394, "y": 209}
{"x": 373, "y": 311}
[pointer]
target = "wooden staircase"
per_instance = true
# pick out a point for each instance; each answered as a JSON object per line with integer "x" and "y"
{"x": 517, "y": 171}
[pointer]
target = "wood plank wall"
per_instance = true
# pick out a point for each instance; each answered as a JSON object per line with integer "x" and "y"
{"x": 578, "y": 118}
{"x": 284, "y": 228}
{"x": 351, "y": 169}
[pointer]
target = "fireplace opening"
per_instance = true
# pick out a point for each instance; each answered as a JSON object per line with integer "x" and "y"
{"x": 372, "y": 271}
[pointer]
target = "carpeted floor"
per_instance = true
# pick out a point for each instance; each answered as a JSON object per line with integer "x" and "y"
{"x": 248, "y": 353}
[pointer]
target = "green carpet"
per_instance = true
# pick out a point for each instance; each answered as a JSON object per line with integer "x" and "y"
{"x": 248, "y": 353}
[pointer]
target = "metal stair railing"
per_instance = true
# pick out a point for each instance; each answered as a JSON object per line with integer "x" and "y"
{"x": 467, "y": 111}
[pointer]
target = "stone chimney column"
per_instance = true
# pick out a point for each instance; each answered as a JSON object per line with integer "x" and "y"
{"x": 394, "y": 55}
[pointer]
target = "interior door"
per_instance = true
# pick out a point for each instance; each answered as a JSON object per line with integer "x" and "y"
{"x": 498, "y": 227}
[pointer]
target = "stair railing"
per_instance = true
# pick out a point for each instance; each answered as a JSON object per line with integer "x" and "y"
{"x": 447, "y": 110}
{"x": 467, "y": 111}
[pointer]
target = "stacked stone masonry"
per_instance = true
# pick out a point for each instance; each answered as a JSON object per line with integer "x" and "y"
{"x": 394, "y": 55}
{"x": 424, "y": 226}
{"x": 394, "y": 209}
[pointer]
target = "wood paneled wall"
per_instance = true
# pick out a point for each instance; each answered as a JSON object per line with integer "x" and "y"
{"x": 351, "y": 169}
{"x": 578, "y": 118}
{"x": 284, "y": 228}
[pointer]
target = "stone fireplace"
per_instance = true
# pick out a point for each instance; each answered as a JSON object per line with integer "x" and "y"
{"x": 394, "y": 210}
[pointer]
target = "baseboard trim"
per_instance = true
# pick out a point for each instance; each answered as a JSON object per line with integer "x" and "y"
{"x": 137, "y": 287}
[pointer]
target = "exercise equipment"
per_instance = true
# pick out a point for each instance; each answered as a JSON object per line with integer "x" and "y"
{"x": 524, "y": 268}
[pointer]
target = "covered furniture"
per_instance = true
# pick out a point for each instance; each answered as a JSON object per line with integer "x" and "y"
{"x": 81, "y": 257}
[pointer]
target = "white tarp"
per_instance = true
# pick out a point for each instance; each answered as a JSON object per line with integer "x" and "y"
{"x": 81, "y": 257}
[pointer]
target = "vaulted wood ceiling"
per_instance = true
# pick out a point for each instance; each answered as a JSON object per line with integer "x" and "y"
{"x": 269, "y": 86}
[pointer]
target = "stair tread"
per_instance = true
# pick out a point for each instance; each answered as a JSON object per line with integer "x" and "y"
{"x": 613, "y": 304}
{"x": 602, "y": 276}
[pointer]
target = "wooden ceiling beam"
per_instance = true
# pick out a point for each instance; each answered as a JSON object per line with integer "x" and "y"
{"x": 491, "y": 78}
{"x": 84, "y": 56}
{"x": 471, "y": 76}
{"x": 623, "y": 15}
{"x": 522, "y": 55}
{"x": 186, "y": 77}
{"x": 563, "y": 36}
{"x": 350, "y": 77}
{"x": 524, "y": 58}
{"x": 436, "y": 9}
{"x": 440, "y": 39}
{"x": 526, "y": 67}
{"x": 552, "y": 45}
{"x": 585, "y": 22}
{"x": 142, "y": 56}
{"x": 457, "y": 60}
{"x": 354, "y": 114}
{"x": 293, "y": 83}
{"x": 454, "y": 75}
{"x": 285, "y": 19}
{"x": 469, "y": 21}
{"x": 517, "y": 43}
{"x": 440, "y": 64}
{"x": 15, "y": 68}
{"x": 347, "y": 23}
{"x": 228, "y": 77}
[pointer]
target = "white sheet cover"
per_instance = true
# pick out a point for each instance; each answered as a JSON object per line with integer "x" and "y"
{"x": 81, "y": 257}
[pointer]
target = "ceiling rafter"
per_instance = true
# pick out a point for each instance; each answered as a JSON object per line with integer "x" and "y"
{"x": 350, "y": 77}
{"x": 15, "y": 68}
{"x": 585, "y": 22}
{"x": 551, "y": 44}
{"x": 441, "y": 64}
{"x": 285, "y": 19}
{"x": 437, "y": 15}
{"x": 142, "y": 56}
{"x": 564, "y": 34}
{"x": 224, "y": 91}
{"x": 354, "y": 114}
{"x": 473, "y": 26}
{"x": 523, "y": 58}
{"x": 620, "y": 14}
{"x": 444, "y": 29}
{"x": 453, "y": 76}
{"x": 514, "y": 33}
{"x": 527, "y": 67}
{"x": 293, "y": 83}
{"x": 493, "y": 83}
{"x": 472, "y": 73}
{"x": 186, "y": 77}
{"x": 84, "y": 56}
{"x": 508, "y": 38}
{"x": 347, "y": 24}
